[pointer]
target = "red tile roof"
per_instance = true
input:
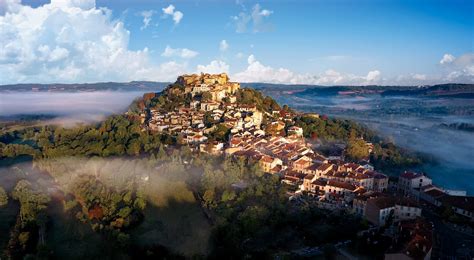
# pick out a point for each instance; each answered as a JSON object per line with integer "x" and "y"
{"x": 340, "y": 184}
{"x": 410, "y": 175}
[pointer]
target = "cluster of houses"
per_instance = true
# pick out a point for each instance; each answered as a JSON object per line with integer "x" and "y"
{"x": 330, "y": 181}
{"x": 217, "y": 85}
{"x": 413, "y": 240}
{"x": 190, "y": 121}
{"x": 420, "y": 187}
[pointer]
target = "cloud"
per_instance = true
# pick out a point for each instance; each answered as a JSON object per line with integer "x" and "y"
{"x": 72, "y": 41}
{"x": 419, "y": 77}
{"x": 48, "y": 55}
{"x": 168, "y": 10}
{"x": 265, "y": 12}
{"x": 181, "y": 53}
{"x": 458, "y": 69}
{"x": 336, "y": 57}
{"x": 255, "y": 19}
{"x": 373, "y": 76}
{"x": 82, "y": 4}
{"x": 223, "y": 46}
{"x": 9, "y": 6}
{"x": 447, "y": 58}
{"x": 216, "y": 66}
{"x": 176, "y": 15}
{"x": 147, "y": 15}
{"x": 257, "y": 72}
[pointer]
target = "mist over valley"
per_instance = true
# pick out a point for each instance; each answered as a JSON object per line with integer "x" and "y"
{"x": 426, "y": 124}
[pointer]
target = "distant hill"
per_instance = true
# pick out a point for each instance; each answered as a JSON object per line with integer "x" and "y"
{"x": 102, "y": 86}
{"x": 447, "y": 90}
{"x": 443, "y": 90}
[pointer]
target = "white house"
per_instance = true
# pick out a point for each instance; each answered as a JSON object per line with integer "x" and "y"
{"x": 411, "y": 180}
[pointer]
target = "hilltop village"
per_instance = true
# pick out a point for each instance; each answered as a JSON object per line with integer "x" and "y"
{"x": 266, "y": 181}
{"x": 211, "y": 119}
{"x": 213, "y": 115}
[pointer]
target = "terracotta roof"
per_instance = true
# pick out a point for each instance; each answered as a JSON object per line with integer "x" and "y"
{"x": 369, "y": 195}
{"x": 301, "y": 162}
{"x": 418, "y": 235}
{"x": 410, "y": 175}
{"x": 382, "y": 202}
{"x": 361, "y": 176}
{"x": 314, "y": 167}
{"x": 276, "y": 169}
{"x": 434, "y": 193}
{"x": 324, "y": 166}
{"x": 340, "y": 174}
{"x": 340, "y": 184}
{"x": 319, "y": 182}
{"x": 266, "y": 159}
{"x": 462, "y": 202}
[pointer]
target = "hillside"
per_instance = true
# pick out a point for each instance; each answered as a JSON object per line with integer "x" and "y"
{"x": 442, "y": 90}
{"x": 204, "y": 169}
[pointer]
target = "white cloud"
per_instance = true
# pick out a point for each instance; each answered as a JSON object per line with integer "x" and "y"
{"x": 223, "y": 45}
{"x": 72, "y": 41}
{"x": 147, "y": 15}
{"x": 46, "y": 54}
{"x": 458, "y": 69}
{"x": 239, "y": 55}
{"x": 177, "y": 16}
{"x": 182, "y": 53}
{"x": 419, "y": 77}
{"x": 170, "y": 11}
{"x": 9, "y": 6}
{"x": 373, "y": 76}
{"x": 256, "y": 18}
{"x": 257, "y": 72}
{"x": 265, "y": 12}
{"x": 82, "y": 4}
{"x": 447, "y": 58}
{"x": 216, "y": 66}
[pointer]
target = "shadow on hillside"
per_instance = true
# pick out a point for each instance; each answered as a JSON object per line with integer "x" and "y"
{"x": 179, "y": 226}
{"x": 171, "y": 231}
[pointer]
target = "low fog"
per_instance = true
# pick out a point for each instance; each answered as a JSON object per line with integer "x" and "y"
{"x": 412, "y": 123}
{"x": 172, "y": 217}
{"x": 68, "y": 108}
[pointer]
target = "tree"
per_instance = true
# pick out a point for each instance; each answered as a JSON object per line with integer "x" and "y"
{"x": 162, "y": 153}
{"x": 356, "y": 148}
{"x": 208, "y": 197}
{"x": 3, "y": 197}
{"x": 32, "y": 202}
{"x": 228, "y": 195}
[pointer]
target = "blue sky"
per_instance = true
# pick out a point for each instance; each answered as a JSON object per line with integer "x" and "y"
{"x": 311, "y": 42}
